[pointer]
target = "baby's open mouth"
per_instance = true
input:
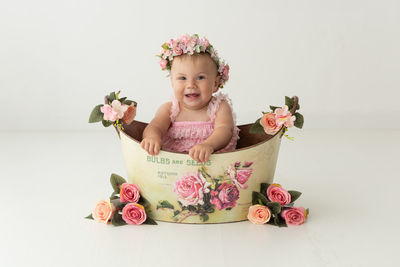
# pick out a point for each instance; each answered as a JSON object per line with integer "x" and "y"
{"x": 192, "y": 96}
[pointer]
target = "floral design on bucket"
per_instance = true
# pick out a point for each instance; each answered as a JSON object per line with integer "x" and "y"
{"x": 274, "y": 205}
{"x": 280, "y": 118}
{"x": 126, "y": 205}
{"x": 199, "y": 193}
{"x": 121, "y": 110}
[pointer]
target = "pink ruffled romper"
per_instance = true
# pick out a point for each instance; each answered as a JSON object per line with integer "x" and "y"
{"x": 183, "y": 135}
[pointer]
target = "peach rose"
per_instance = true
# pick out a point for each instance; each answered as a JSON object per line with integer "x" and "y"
{"x": 294, "y": 216}
{"x": 268, "y": 122}
{"x": 103, "y": 211}
{"x": 276, "y": 193}
{"x": 129, "y": 193}
{"x": 134, "y": 213}
{"x": 129, "y": 114}
{"x": 259, "y": 214}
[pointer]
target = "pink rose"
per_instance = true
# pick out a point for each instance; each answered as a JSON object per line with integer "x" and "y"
{"x": 129, "y": 114}
{"x": 167, "y": 53}
{"x": 204, "y": 43}
{"x": 294, "y": 216}
{"x": 284, "y": 117}
{"x": 163, "y": 63}
{"x": 177, "y": 51}
{"x": 134, "y": 213}
{"x": 103, "y": 211}
{"x": 109, "y": 113}
{"x": 119, "y": 108}
{"x": 239, "y": 176}
{"x": 259, "y": 214}
{"x": 276, "y": 193}
{"x": 191, "y": 188}
{"x": 268, "y": 122}
{"x": 225, "y": 196}
{"x": 129, "y": 193}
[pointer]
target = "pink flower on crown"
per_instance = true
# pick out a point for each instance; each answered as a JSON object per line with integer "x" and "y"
{"x": 167, "y": 53}
{"x": 205, "y": 43}
{"x": 185, "y": 39}
{"x": 163, "y": 63}
{"x": 284, "y": 117}
{"x": 177, "y": 51}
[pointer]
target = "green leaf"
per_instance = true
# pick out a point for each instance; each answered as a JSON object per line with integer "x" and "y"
{"x": 106, "y": 123}
{"x": 294, "y": 195}
{"x": 263, "y": 188}
{"x": 256, "y": 128}
{"x": 116, "y": 182}
{"x": 257, "y": 196}
{"x": 118, "y": 204}
{"x": 111, "y": 97}
{"x": 275, "y": 207}
{"x": 150, "y": 221}
{"x": 96, "y": 115}
{"x": 176, "y": 212}
{"x": 273, "y": 108}
{"x": 191, "y": 208}
{"x": 299, "y": 120}
{"x": 165, "y": 204}
{"x": 289, "y": 102}
{"x": 144, "y": 202}
{"x": 117, "y": 220}
{"x": 308, "y": 211}
{"x": 129, "y": 102}
{"x": 228, "y": 208}
{"x": 279, "y": 221}
{"x": 114, "y": 195}
{"x": 204, "y": 217}
{"x": 122, "y": 99}
{"x": 90, "y": 216}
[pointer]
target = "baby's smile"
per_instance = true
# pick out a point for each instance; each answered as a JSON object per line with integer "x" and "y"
{"x": 192, "y": 96}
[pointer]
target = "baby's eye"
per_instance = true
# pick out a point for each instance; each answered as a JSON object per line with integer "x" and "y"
{"x": 201, "y": 77}
{"x": 181, "y": 78}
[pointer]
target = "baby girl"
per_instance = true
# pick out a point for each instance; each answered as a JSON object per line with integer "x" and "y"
{"x": 195, "y": 120}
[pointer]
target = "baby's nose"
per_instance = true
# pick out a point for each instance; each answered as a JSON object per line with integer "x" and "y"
{"x": 191, "y": 83}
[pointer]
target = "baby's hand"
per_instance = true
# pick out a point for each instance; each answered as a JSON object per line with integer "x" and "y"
{"x": 201, "y": 152}
{"x": 152, "y": 145}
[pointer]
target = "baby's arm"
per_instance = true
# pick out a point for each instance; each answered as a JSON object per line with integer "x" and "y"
{"x": 155, "y": 130}
{"x": 223, "y": 131}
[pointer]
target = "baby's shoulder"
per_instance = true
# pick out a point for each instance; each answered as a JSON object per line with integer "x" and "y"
{"x": 165, "y": 109}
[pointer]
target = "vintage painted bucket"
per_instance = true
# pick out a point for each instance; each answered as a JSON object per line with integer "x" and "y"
{"x": 221, "y": 188}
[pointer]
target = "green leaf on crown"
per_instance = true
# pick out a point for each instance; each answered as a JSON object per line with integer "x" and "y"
{"x": 96, "y": 115}
{"x": 150, "y": 221}
{"x": 294, "y": 195}
{"x": 90, "y": 217}
{"x": 164, "y": 204}
{"x": 117, "y": 220}
{"x": 275, "y": 207}
{"x": 165, "y": 46}
{"x": 256, "y": 128}
{"x": 106, "y": 123}
{"x": 204, "y": 217}
{"x": 299, "y": 120}
{"x": 116, "y": 182}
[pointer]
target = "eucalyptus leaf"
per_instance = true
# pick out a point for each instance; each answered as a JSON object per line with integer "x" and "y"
{"x": 294, "y": 195}
{"x": 256, "y": 128}
{"x": 299, "y": 120}
{"x": 116, "y": 182}
{"x": 96, "y": 115}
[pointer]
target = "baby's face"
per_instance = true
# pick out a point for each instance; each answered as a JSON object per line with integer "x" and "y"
{"x": 194, "y": 80}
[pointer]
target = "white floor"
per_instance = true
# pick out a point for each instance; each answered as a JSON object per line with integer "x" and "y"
{"x": 349, "y": 178}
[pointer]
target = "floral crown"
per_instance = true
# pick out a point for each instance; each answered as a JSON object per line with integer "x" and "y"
{"x": 187, "y": 44}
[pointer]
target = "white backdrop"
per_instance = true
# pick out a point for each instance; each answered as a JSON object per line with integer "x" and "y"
{"x": 59, "y": 58}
